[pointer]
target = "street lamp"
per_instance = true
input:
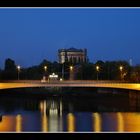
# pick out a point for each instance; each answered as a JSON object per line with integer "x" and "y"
{"x": 18, "y": 68}
{"x": 71, "y": 68}
{"x": 97, "y": 69}
{"x": 71, "y": 73}
{"x": 63, "y": 71}
{"x": 45, "y": 68}
{"x": 121, "y": 69}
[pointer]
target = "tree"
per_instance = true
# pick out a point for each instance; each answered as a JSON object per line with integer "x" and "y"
{"x": 10, "y": 65}
{"x": 85, "y": 71}
{"x": 135, "y": 74}
{"x": 9, "y": 70}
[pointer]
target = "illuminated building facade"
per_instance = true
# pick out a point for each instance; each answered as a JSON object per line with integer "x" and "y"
{"x": 72, "y": 55}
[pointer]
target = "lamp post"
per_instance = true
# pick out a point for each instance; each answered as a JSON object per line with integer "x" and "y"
{"x": 121, "y": 69}
{"x": 63, "y": 71}
{"x": 45, "y": 69}
{"x": 97, "y": 69}
{"x": 18, "y": 68}
{"x": 71, "y": 73}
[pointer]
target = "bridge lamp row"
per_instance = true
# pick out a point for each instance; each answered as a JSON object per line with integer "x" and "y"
{"x": 97, "y": 68}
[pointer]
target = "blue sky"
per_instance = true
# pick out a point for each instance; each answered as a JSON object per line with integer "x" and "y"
{"x": 29, "y": 35}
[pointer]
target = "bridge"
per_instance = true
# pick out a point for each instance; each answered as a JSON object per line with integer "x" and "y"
{"x": 74, "y": 83}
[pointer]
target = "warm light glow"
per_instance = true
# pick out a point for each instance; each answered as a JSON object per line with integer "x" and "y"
{"x": 53, "y": 118}
{"x": 120, "y": 122}
{"x": 96, "y": 122}
{"x": 71, "y": 122}
{"x": 18, "y": 67}
{"x": 45, "y": 67}
{"x": 131, "y": 122}
{"x": 71, "y": 68}
{"x": 121, "y": 68}
{"x": 53, "y": 75}
{"x": 41, "y": 106}
{"x": 18, "y": 123}
{"x": 44, "y": 123}
{"x": 61, "y": 79}
{"x": 44, "y": 118}
{"x": 8, "y": 123}
{"x": 97, "y": 68}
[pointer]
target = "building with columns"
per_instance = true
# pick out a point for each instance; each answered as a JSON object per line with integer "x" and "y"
{"x": 72, "y": 55}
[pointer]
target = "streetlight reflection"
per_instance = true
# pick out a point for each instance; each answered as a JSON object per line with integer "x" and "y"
{"x": 71, "y": 122}
{"x": 120, "y": 122}
{"x": 18, "y": 123}
{"x": 97, "y": 122}
{"x": 43, "y": 107}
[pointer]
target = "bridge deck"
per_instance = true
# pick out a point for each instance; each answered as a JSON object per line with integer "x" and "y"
{"x": 106, "y": 84}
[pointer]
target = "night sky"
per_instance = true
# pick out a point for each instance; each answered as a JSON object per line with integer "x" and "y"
{"x": 29, "y": 35}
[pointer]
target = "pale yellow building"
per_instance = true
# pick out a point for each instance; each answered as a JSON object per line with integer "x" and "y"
{"x": 72, "y": 55}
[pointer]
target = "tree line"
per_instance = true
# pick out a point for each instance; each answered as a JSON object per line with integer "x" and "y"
{"x": 108, "y": 70}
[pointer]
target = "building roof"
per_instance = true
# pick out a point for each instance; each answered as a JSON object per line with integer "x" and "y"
{"x": 72, "y": 49}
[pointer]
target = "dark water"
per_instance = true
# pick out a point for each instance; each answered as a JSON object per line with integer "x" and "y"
{"x": 103, "y": 113}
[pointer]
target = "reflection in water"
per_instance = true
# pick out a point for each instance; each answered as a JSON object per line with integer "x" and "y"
{"x": 58, "y": 115}
{"x": 120, "y": 122}
{"x": 44, "y": 118}
{"x": 61, "y": 108}
{"x": 131, "y": 122}
{"x": 96, "y": 122}
{"x": 8, "y": 123}
{"x": 18, "y": 123}
{"x": 53, "y": 117}
{"x": 61, "y": 118}
{"x": 71, "y": 122}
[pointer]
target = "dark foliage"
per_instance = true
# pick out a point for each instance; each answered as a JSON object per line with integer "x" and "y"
{"x": 109, "y": 70}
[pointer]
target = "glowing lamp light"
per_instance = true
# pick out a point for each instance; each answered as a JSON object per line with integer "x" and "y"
{"x": 53, "y": 75}
{"x": 45, "y": 67}
{"x": 121, "y": 68}
{"x": 71, "y": 67}
{"x": 61, "y": 79}
{"x": 18, "y": 67}
{"x": 97, "y": 68}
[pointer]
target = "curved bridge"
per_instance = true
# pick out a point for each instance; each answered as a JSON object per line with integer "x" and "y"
{"x": 75, "y": 83}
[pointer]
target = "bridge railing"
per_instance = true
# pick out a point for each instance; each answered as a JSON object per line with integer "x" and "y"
{"x": 94, "y": 81}
{"x": 64, "y": 81}
{"x": 19, "y": 81}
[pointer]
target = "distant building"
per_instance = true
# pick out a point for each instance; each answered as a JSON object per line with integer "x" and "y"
{"x": 72, "y": 55}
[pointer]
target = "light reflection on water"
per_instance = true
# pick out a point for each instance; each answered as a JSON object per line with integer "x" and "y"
{"x": 56, "y": 116}
{"x": 96, "y": 122}
{"x": 18, "y": 123}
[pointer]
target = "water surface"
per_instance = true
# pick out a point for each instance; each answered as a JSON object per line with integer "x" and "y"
{"x": 70, "y": 114}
